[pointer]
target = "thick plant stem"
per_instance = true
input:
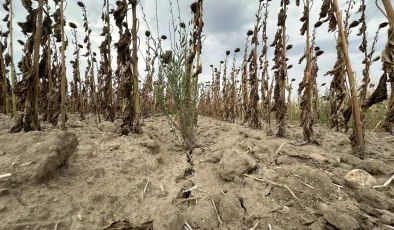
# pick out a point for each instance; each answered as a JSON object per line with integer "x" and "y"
{"x": 390, "y": 12}
{"x": 63, "y": 73}
{"x": 355, "y": 106}
{"x": 5, "y": 90}
{"x": 12, "y": 65}
{"x": 269, "y": 96}
{"x": 36, "y": 81}
{"x": 110, "y": 99}
{"x": 135, "y": 71}
{"x": 307, "y": 136}
{"x": 50, "y": 81}
{"x": 390, "y": 106}
{"x": 366, "y": 79}
{"x": 94, "y": 95}
{"x": 284, "y": 38}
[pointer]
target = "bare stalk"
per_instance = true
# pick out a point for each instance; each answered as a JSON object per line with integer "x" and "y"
{"x": 358, "y": 128}
{"x": 12, "y": 63}
{"x": 63, "y": 71}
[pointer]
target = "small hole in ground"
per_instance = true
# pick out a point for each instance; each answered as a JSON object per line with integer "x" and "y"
{"x": 188, "y": 172}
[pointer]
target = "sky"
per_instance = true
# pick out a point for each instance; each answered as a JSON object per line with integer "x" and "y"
{"x": 226, "y": 24}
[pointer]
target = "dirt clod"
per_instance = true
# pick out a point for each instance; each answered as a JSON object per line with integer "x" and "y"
{"x": 167, "y": 217}
{"x": 376, "y": 167}
{"x": 197, "y": 151}
{"x": 234, "y": 164}
{"x": 374, "y": 199}
{"x": 358, "y": 178}
{"x": 230, "y": 208}
{"x": 202, "y": 216}
{"x": 36, "y": 155}
{"x": 350, "y": 159}
{"x": 340, "y": 220}
{"x": 152, "y": 145}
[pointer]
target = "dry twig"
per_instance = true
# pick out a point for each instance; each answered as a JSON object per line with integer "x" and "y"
{"x": 145, "y": 188}
{"x": 5, "y": 176}
{"x": 276, "y": 184}
{"x": 385, "y": 183}
{"x": 187, "y": 199}
{"x": 255, "y": 226}
{"x": 277, "y": 151}
{"x": 217, "y": 213}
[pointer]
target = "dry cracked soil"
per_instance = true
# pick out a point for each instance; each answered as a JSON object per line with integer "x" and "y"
{"x": 237, "y": 178}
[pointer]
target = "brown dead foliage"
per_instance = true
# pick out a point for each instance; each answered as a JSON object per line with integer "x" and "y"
{"x": 379, "y": 94}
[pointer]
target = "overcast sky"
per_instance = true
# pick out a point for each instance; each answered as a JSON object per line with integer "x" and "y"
{"x": 226, "y": 24}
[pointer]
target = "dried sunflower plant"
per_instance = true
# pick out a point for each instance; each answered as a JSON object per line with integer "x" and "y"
{"x": 330, "y": 11}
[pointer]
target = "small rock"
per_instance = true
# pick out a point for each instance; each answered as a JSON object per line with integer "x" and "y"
{"x": 376, "y": 167}
{"x": 235, "y": 164}
{"x": 55, "y": 199}
{"x": 284, "y": 210}
{"x": 230, "y": 208}
{"x": 167, "y": 217}
{"x": 342, "y": 221}
{"x": 197, "y": 151}
{"x": 358, "y": 178}
{"x": 90, "y": 180}
{"x": 107, "y": 127}
{"x": 374, "y": 199}
{"x": 2, "y": 153}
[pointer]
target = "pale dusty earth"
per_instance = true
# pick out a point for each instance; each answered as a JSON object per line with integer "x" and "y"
{"x": 238, "y": 178}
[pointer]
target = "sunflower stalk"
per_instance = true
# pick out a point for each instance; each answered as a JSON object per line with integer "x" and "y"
{"x": 14, "y": 111}
{"x": 357, "y": 137}
{"x": 280, "y": 73}
{"x": 63, "y": 69}
{"x": 253, "y": 109}
{"x": 225, "y": 85}
{"x": 388, "y": 68}
{"x": 36, "y": 80}
{"x": 307, "y": 117}
{"x": 91, "y": 61}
